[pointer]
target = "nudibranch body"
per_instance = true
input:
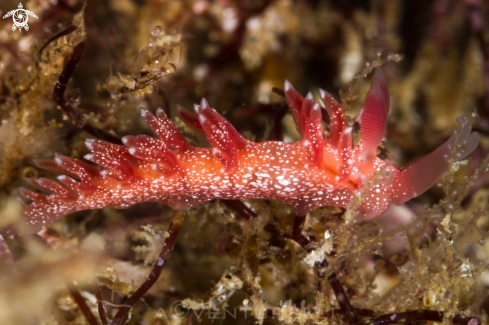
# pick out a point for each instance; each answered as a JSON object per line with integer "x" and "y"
{"x": 322, "y": 169}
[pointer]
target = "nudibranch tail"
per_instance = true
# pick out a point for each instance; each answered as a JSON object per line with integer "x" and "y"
{"x": 321, "y": 169}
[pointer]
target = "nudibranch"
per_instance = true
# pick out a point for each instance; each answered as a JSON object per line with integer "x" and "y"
{"x": 321, "y": 169}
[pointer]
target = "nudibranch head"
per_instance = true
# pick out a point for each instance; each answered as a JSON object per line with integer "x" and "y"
{"x": 355, "y": 166}
{"x": 322, "y": 169}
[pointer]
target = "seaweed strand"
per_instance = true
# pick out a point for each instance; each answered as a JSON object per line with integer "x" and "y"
{"x": 80, "y": 301}
{"x": 100, "y": 304}
{"x": 59, "y": 92}
{"x": 163, "y": 257}
{"x": 240, "y": 208}
{"x": 64, "y": 32}
{"x": 342, "y": 298}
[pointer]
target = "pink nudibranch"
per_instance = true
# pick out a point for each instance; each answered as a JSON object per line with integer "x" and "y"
{"x": 319, "y": 170}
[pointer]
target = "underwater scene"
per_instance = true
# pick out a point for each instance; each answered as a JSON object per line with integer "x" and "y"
{"x": 198, "y": 162}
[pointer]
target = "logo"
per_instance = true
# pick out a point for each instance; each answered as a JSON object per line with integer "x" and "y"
{"x": 20, "y": 17}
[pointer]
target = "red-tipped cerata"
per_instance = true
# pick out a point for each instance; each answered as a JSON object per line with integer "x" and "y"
{"x": 310, "y": 173}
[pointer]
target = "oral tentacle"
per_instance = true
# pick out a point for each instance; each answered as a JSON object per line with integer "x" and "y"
{"x": 417, "y": 177}
{"x": 374, "y": 116}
